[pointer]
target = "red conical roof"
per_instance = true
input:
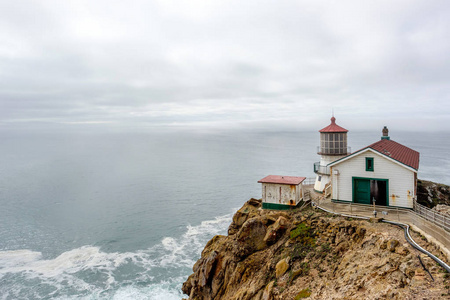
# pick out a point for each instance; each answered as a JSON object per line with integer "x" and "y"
{"x": 333, "y": 127}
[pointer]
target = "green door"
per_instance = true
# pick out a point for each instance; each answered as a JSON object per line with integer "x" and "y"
{"x": 361, "y": 192}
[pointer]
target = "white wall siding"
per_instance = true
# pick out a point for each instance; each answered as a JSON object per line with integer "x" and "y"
{"x": 327, "y": 159}
{"x": 320, "y": 185}
{"x": 281, "y": 193}
{"x": 324, "y": 161}
{"x": 401, "y": 180}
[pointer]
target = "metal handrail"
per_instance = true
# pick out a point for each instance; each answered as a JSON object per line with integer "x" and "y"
{"x": 433, "y": 216}
{"x": 334, "y": 151}
{"x": 321, "y": 169}
{"x": 419, "y": 210}
{"x": 309, "y": 181}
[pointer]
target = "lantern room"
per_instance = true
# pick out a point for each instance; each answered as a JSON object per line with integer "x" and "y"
{"x": 333, "y": 139}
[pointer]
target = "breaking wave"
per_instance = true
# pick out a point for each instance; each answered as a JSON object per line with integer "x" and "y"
{"x": 89, "y": 273}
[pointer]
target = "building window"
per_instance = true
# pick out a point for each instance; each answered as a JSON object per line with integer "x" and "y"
{"x": 320, "y": 178}
{"x": 369, "y": 164}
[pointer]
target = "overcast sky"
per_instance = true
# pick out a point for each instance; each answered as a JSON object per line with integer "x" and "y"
{"x": 252, "y": 64}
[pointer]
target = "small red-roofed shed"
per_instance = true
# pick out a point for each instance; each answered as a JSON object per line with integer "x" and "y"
{"x": 281, "y": 192}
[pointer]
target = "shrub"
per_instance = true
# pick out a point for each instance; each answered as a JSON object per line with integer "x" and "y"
{"x": 301, "y": 230}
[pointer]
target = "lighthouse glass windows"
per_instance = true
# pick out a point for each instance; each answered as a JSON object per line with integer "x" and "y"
{"x": 334, "y": 143}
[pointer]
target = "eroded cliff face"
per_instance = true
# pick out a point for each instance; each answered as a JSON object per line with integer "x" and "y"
{"x": 431, "y": 194}
{"x": 300, "y": 254}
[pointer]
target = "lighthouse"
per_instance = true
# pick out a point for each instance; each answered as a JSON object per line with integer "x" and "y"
{"x": 333, "y": 146}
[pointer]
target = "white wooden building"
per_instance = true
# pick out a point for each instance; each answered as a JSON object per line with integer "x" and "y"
{"x": 281, "y": 192}
{"x": 385, "y": 171}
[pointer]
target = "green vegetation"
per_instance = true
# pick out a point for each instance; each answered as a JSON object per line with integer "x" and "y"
{"x": 305, "y": 241}
{"x": 305, "y": 268}
{"x": 302, "y": 231}
{"x": 323, "y": 251}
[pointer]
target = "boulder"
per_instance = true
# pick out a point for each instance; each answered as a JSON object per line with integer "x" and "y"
{"x": 281, "y": 267}
{"x": 249, "y": 210}
{"x": 276, "y": 230}
{"x": 391, "y": 245}
{"x": 251, "y": 236}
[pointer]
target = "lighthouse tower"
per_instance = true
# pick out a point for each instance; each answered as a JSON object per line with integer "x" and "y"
{"x": 333, "y": 146}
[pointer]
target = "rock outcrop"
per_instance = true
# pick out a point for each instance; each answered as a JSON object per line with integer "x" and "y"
{"x": 310, "y": 254}
{"x": 443, "y": 209}
{"x": 431, "y": 194}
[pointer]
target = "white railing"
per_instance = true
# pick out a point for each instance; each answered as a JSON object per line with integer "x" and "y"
{"x": 436, "y": 217}
{"x": 309, "y": 181}
{"x": 327, "y": 192}
{"x": 439, "y": 219}
{"x": 334, "y": 151}
{"x": 321, "y": 169}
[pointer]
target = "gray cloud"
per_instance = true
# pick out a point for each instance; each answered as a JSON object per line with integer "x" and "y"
{"x": 226, "y": 63}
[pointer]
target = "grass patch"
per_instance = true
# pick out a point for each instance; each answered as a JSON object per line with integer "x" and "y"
{"x": 304, "y": 237}
{"x": 302, "y": 231}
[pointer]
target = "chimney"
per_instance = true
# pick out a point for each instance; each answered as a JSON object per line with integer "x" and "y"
{"x": 385, "y": 134}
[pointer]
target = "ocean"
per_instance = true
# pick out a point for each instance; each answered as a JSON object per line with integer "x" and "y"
{"x": 96, "y": 214}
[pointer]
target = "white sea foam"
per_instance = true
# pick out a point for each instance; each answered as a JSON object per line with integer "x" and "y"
{"x": 160, "y": 291}
{"x": 89, "y": 273}
{"x": 10, "y": 259}
{"x": 186, "y": 249}
{"x": 86, "y": 257}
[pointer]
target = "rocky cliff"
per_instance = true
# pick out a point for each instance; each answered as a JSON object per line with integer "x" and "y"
{"x": 431, "y": 194}
{"x": 310, "y": 254}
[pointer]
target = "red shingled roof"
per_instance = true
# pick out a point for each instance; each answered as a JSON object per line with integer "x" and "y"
{"x": 397, "y": 151}
{"x": 282, "y": 179}
{"x": 333, "y": 127}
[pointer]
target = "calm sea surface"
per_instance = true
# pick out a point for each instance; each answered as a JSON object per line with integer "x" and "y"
{"x": 125, "y": 215}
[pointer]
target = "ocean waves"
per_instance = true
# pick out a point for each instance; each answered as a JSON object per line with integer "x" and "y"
{"x": 89, "y": 273}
